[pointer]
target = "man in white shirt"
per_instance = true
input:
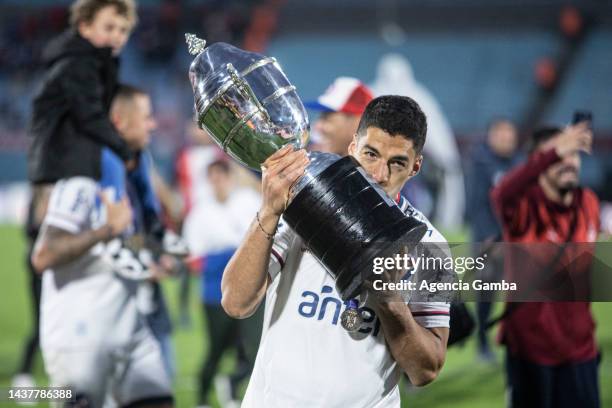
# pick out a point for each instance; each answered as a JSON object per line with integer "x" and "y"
{"x": 93, "y": 337}
{"x": 305, "y": 358}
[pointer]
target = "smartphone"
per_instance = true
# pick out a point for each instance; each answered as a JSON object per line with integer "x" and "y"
{"x": 583, "y": 116}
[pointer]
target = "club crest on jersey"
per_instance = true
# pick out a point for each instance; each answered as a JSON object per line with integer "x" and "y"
{"x": 326, "y": 307}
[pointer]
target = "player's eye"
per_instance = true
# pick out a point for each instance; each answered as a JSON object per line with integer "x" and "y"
{"x": 399, "y": 165}
{"x": 369, "y": 154}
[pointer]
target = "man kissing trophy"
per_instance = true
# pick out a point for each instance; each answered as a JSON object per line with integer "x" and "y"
{"x": 249, "y": 107}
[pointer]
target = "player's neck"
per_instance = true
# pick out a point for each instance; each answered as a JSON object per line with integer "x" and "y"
{"x": 221, "y": 197}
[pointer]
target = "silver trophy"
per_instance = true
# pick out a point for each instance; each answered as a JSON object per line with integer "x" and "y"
{"x": 249, "y": 107}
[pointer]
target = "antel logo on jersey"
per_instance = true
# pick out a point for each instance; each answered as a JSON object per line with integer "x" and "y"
{"x": 321, "y": 307}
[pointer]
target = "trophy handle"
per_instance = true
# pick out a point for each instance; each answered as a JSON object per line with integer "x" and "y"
{"x": 247, "y": 91}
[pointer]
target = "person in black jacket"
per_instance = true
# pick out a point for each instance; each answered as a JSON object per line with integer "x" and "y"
{"x": 70, "y": 119}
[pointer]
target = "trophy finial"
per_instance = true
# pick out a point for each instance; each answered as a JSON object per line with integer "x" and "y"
{"x": 195, "y": 45}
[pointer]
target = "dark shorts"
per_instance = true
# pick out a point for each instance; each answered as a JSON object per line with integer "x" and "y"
{"x": 569, "y": 385}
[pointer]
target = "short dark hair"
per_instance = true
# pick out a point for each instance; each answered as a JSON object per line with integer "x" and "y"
{"x": 127, "y": 92}
{"x": 84, "y": 11}
{"x": 541, "y": 135}
{"x": 124, "y": 96}
{"x": 497, "y": 121}
{"x": 220, "y": 164}
{"x": 396, "y": 115}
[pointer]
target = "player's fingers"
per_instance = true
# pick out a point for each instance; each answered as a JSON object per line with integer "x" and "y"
{"x": 582, "y": 126}
{"x": 276, "y": 156}
{"x": 283, "y": 164}
{"x": 585, "y": 141}
{"x": 103, "y": 198}
{"x": 298, "y": 165}
{"x": 293, "y": 175}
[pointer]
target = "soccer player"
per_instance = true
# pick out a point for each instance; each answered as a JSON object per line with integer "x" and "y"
{"x": 306, "y": 358}
{"x": 552, "y": 355}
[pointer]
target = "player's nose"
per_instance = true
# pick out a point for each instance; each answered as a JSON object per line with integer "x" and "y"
{"x": 381, "y": 173}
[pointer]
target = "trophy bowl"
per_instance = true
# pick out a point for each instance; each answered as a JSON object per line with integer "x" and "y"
{"x": 251, "y": 110}
{"x": 246, "y": 103}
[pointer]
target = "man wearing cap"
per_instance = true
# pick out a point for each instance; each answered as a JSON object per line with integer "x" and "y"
{"x": 341, "y": 107}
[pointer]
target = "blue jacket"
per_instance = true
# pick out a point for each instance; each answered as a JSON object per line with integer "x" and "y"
{"x": 136, "y": 184}
{"x": 213, "y": 266}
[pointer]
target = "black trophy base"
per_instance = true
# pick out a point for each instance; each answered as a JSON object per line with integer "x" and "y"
{"x": 346, "y": 221}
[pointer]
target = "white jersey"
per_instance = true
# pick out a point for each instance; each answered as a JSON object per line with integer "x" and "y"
{"x": 72, "y": 208}
{"x": 192, "y": 170}
{"x": 306, "y": 358}
{"x": 213, "y": 226}
{"x": 90, "y": 327}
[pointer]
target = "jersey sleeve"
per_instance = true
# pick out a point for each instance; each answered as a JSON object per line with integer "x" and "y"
{"x": 435, "y": 312}
{"x": 431, "y": 314}
{"x": 71, "y": 204}
{"x": 284, "y": 241}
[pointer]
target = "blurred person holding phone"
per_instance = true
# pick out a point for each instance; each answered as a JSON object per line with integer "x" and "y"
{"x": 552, "y": 357}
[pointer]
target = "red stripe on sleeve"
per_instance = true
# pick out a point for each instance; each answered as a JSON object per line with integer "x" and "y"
{"x": 279, "y": 259}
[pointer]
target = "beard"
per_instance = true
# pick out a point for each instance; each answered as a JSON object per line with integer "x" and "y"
{"x": 567, "y": 187}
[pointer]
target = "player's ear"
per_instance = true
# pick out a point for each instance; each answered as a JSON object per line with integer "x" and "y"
{"x": 115, "y": 118}
{"x": 352, "y": 149}
{"x": 416, "y": 167}
{"x": 84, "y": 29}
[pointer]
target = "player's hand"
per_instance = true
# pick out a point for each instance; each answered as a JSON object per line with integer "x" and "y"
{"x": 118, "y": 214}
{"x": 165, "y": 267}
{"x": 575, "y": 138}
{"x": 279, "y": 172}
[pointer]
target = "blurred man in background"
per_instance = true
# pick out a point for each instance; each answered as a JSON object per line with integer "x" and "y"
{"x": 552, "y": 356}
{"x": 488, "y": 163}
{"x": 132, "y": 115}
{"x": 340, "y": 109}
{"x": 214, "y": 229}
